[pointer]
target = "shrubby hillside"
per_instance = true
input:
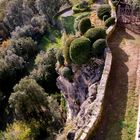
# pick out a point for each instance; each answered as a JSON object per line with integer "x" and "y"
{"x": 29, "y": 100}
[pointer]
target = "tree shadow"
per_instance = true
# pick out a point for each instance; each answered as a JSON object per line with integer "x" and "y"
{"x": 111, "y": 124}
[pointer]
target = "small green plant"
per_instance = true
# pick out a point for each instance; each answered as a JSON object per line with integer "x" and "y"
{"x": 67, "y": 73}
{"x": 95, "y": 33}
{"x": 98, "y": 47}
{"x": 110, "y": 21}
{"x": 84, "y": 25}
{"x": 104, "y": 9}
{"x": 80, "y": 49}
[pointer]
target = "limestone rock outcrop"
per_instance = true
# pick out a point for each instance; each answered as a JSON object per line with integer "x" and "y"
{"x": 81, "y": 92}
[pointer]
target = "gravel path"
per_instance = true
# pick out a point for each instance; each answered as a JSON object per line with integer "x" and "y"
{"x": 121, "y": 101}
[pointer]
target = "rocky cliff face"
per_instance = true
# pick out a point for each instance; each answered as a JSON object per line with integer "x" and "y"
{"x": 81, "y": 92}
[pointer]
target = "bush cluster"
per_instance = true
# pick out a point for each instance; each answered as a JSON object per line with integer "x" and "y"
{"x": 84, "y": 25}
{"x": 104, "y": 9}
{"x": 110, "y": 21}
{"x": 80, "y": 50}
{"x": 95, "y": 33}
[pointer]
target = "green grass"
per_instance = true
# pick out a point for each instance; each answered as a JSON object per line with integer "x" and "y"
{"x": 46, "y": 43}
{"x": 68, "y": 22}
{"x": 126, "y": 124}
{"x": 129, "y": 123}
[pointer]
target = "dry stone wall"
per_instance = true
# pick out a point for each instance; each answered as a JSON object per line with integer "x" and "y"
{"x": 94, "y": 111}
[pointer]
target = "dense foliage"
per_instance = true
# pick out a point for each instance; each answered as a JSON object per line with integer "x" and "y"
{"x": 22, "y": 25}
{"x": 44, "y": 72}
{"x": 30, "y": 101}
{"x": 95, "y": 33}
{"x": 25, "y": 47}
{"x": 84, "y": 25}
{"x": 104, "y": 9}
{"x": 80, "y": 49}
{"x": 22, "y": 12}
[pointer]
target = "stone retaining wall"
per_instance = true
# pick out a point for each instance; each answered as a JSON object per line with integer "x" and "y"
{"x": 85, "y": 132}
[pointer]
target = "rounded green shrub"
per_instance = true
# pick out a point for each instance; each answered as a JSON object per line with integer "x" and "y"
{"x": 105, "y": 17}
{"x": 59, "y": 57}
{"x": 95, "y": 33}
{"x": 66, "y": 49}
{"x": 84, "y": 25}
{"x": 78, "y": 19}
{"x": 104, "y": 9}
{"x": 98, "y": 47}
{"x": 110, "y": 21}
{"x": 80, "y": 49}
{"x": 67, "y": 73}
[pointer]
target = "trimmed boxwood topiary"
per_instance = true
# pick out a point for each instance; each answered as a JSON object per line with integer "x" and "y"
{"x": 67, "y": 73}
{"x": 66, "y": 49}
{"x": 105, "y": 17}
{"x": 98, "y": 47}
{"x": 110, "y": 21}
{"x": 84, "y": 25}
{"x": 78, "y": 19}
{"x": 95, "y": 33}
{"x": 80, "y": 50}
{"x": 104, "y": 9}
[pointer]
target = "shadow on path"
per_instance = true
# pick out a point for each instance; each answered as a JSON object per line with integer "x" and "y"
{"x": 116, "y": 94}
